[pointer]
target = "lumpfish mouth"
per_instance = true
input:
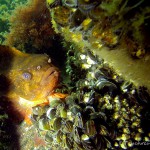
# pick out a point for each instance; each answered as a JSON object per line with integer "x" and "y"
{"x": 48, "y": 82}
{"x": 50, "y": 76}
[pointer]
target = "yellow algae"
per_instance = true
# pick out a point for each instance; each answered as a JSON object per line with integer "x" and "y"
{"x": 86, "y": 23}
{"x": 96, "y": 44}
{"x": 76, "y": 37}
{"x": 50, "y": 1}
{"x": 135, "y": 70}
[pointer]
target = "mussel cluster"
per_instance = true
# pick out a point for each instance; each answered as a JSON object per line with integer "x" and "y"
{"x": 102, "y": 111}
{"x": 104, "y": 23}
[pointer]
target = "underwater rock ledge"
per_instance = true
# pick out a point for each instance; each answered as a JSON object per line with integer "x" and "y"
{"x": 95, "y": 25}
{"x": 135, "y": 70}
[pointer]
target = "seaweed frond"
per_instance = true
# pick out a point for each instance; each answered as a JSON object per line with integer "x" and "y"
{"x": 31, "y": 27}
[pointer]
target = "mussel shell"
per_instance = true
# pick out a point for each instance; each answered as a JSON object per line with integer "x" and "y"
{"x": 90, "y": 98}
{"x": 55, "y": 124}
{"x": 86, "y": 6}
{"x": 54, "y": 102}
{"x": 44, "y": 124}
{"x": 48, "y": 137}
{"x": 70, "y": 3}
{"x": 98, "y": 74}
{"x": 67, "y": 127}
{"x": 35, "y": 118}
{"x": 62, "y": 111}
{"x": 108, "y": 143}
{"x": 82, "y": 84}
{"x": 98, "y": 115}
{"x": 59, "y": 136}
{"x": 123, "y": 145}
{"x": 126, "y": 86}
{"x": 90, "y": 128}
{"x": 102, "y": 82}
{"x": 67, "y": 142}
{"x": 89, "y": 110}
{"x": 103, "y": 143}
{"x": 54, "y": 3}
{"x": 51, "y": 113}
{"x": 85, "y": 137}
{"x": 78, "y": 122}
{"x": 75, "y": 109}
{"x": 105, "y": 86}
{"x": 103, "y": 131}
{"x": 70, "y": 116}
{"x": 76, "y": 134}
{"x": 77, "y": 18}
{"x": 103, "y": 72}
{"x": 77, "y": 146}
{"x": 143, "y": 96}
{"x": 88, "y": 145}
{"x": 38, "y": 110}
{"x": 71, "y": 100}
{"x": 61, "y": 19}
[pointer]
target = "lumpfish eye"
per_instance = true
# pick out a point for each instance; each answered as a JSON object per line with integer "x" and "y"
{"x": 26, "y": 76}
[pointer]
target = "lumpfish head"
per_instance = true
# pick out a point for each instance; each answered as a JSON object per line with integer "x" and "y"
{"x": 33, "y": 77}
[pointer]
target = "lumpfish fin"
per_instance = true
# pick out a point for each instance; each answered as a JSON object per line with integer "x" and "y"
{"x": 11, "y": 51}
{"x": 58, "y": 95}
{"x": 26, "y": 113}
{"x": 24, "y": 110}
{"x": 28, "y": 120}
{"x": 43, "y": 103}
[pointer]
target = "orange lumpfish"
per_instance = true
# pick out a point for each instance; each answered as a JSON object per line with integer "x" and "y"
{"x": 26, "y": 79}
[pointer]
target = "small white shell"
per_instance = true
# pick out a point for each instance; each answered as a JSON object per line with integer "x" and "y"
{"x": 38, "y": 67}
{"x": 49, "y": 60}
